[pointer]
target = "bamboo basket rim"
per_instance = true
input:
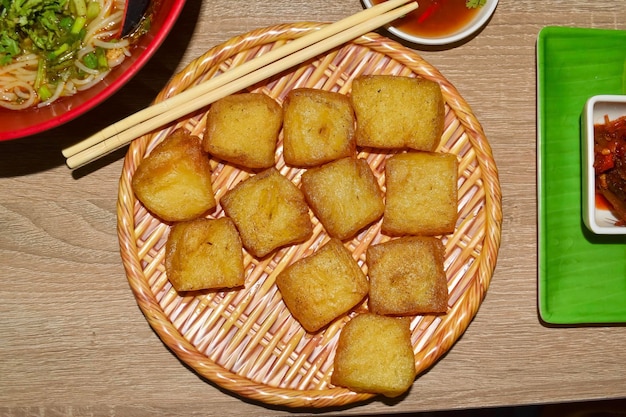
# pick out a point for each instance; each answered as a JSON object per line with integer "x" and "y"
{"x": 478, "y": 240}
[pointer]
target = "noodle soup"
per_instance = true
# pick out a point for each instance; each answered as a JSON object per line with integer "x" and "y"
{"x": 56, "y": 48}
{"x": 158, "y": 22}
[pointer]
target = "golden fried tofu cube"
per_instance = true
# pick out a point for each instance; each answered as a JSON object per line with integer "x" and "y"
{"x": 421, "y": 196}
{"x": 323, "y": 286}
{"x": 395, "y": 112}
{"x": 174, "y": 180}
{"x": 269, "y": 212}
{"x": 318, "y": 127}
{"x": 344, "y": 195}
{"x": 204, "y": 254}
{"x": 243, "y": 129}
{"x": 407, "y": 276}
{"x": 375, "y": 355}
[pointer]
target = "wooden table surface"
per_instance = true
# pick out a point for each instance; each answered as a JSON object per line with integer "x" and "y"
{"x": 73, "y": 340}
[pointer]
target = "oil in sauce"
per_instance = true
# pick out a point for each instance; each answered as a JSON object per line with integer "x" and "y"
{"x": 435, "y": 18}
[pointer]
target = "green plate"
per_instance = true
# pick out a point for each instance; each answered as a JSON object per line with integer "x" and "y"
{"x": 582, "y": 276}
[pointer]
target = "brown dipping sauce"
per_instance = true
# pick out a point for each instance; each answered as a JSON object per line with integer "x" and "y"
{"x": 435, "y": 18}
{"x": 610, "y": 164}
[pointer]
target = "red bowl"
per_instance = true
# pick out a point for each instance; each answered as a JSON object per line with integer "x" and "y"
{"x": 19, "y": 123}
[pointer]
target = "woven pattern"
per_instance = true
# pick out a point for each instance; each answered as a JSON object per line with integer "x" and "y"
{"x": 246, "y": 341}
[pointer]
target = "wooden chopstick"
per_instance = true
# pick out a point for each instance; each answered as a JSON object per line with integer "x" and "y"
{"x": 234, "y": 80}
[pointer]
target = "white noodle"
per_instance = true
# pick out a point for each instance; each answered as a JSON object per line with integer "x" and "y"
{"x": 85, "y": 68}
{"x": 95, "y": 80}
{"x": 20, "y": 89}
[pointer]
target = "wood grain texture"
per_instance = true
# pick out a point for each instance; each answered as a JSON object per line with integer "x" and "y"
{"x": 74, "y": 342}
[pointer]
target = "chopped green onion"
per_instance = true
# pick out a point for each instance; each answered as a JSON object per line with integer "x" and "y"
{"x": 67, "y": 56}
{"x": 93, "y": 10}
{"x": 44, "y": 92}
{"x": 79, "y": 7}
{"x": 57, "y": 52}
{"x": 62, "y": 70}
{"x": 78, "y": 25}
{"x": 91, "y": 60}
{"x": 103, "y": 62}
{"x": 41, "y": 73}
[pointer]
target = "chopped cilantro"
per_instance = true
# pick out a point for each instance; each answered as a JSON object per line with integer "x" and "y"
{"x": 472, "y": 4}
{"x": 8, "y": 49}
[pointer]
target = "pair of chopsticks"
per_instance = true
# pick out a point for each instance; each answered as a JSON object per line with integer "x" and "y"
{"x": 273, "y": 62}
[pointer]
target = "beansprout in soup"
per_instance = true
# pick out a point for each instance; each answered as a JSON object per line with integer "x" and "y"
{"x": 57, "y": 48}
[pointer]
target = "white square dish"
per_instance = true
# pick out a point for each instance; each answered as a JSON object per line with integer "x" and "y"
{"x": 598, "y": 219}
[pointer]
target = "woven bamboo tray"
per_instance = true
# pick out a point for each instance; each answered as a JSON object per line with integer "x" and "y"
{"x": 245, "y": 340}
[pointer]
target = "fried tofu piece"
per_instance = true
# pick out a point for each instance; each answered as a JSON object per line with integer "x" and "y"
{"x": 375, "y": 355}
{"x": 269, "y": 212}
{"x": 395, "y": 112}
{"x": 407, "y": 276}
{"x": 174, "y": 180}
{"x": 318, "y": 127}
{"x": 421, "y": 195}
{"x": 204, "y": 254}
{"x": 344, "y": 195}
{"x": 322, "y": 287}
{"x": 243, "y": 129}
